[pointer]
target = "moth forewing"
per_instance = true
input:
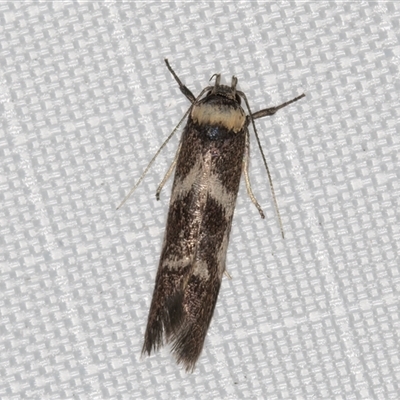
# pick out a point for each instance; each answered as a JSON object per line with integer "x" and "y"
{"x": 213, "y": 152}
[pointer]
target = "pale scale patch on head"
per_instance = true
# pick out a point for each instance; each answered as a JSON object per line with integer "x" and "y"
{"x": 229, "y": 117}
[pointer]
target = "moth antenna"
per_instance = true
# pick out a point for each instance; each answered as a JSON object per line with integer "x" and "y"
{"x": 152, "y": 160}
{"x": 189, "y": 95}
{"x": 227, "y": 275}
{"x": 246, "y": 175}
{"x": 207, "y": 89}
{"x": 169, "y": 172}
{"x": 265, "y": 164}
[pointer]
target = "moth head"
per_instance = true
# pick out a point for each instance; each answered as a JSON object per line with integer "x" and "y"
{"x": 220, "y": 106}
{"x": 224, "y": 90}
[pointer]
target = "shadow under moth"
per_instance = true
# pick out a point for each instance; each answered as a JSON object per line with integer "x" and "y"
{"x": 212, "y": 155}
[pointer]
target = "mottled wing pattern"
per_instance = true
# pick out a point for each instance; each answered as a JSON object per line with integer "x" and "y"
{"x": 213, "y": 152}
{"x": 192, "y": 261}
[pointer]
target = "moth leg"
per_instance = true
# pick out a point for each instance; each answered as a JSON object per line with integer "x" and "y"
{"x": 188, "y": 94}
{"x": 227, "y": 275}
{"x": 246, "y": 175}
{"x": 168, "y": 174}
{"x": 250, "y": 119}
{"x": 273, "y": 110}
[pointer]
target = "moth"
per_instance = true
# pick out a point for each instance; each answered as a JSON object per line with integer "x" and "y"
{"x": 212, "y": 155}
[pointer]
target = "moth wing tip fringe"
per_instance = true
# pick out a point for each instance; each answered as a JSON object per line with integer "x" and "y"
{"x": 174, "y": 328}
{"x": 174, "y": 316}
{"x": 153, "y": 340}
{"x": 188, "y": 341}
{"x": 181, "y": 350}
{"x": 164, "y": 322}
{"x": 178, "y": 319}
{"x": 185, "y": 351}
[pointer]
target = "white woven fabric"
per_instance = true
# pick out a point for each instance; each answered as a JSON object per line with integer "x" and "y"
{"x": 86, "y": 101}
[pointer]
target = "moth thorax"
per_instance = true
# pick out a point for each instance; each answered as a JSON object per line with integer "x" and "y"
{"x": 231, "y": 117}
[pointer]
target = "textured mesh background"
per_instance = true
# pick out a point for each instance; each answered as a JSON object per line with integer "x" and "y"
{"x": 86, "y": 101}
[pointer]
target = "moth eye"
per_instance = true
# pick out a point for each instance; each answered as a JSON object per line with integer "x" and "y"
{"x": 238, "y": 99}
